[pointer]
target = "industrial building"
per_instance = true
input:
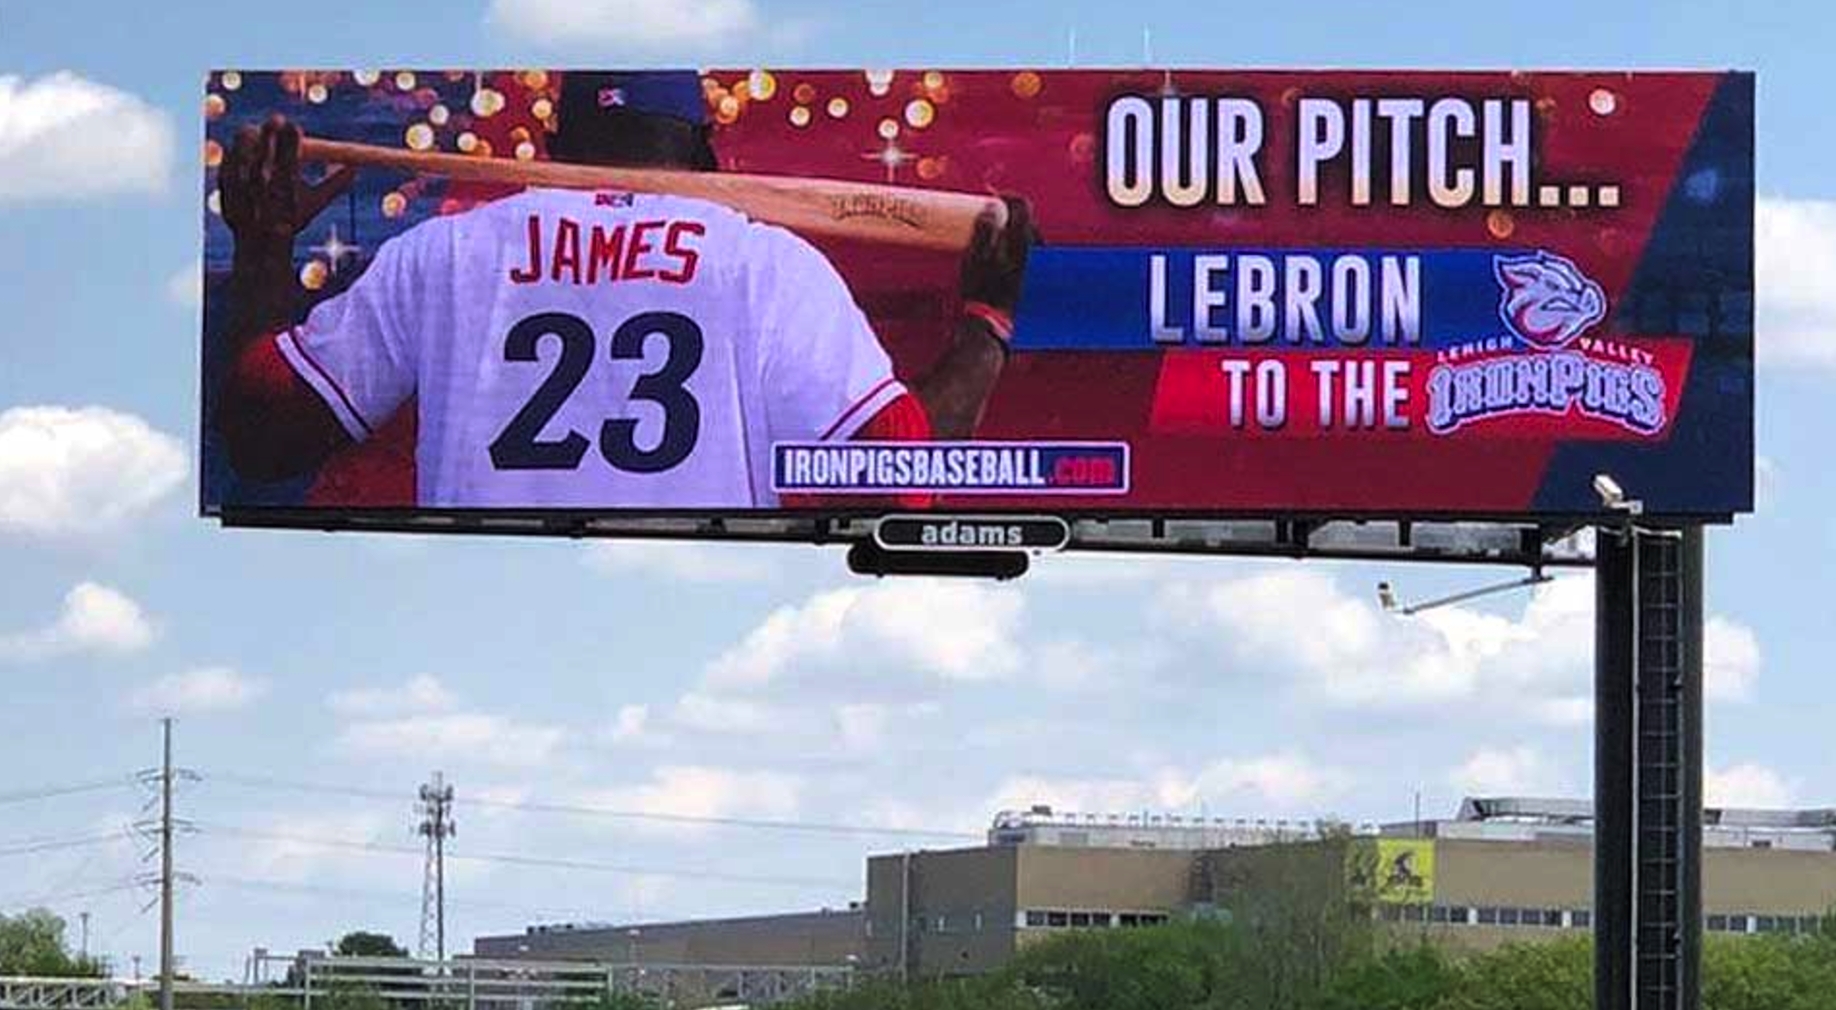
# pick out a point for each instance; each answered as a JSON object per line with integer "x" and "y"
{"x": 1502, "y": 870}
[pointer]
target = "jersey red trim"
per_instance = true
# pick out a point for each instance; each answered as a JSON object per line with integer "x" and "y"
{"x": 856, "y": 408}
{"x": 293, "y": 340}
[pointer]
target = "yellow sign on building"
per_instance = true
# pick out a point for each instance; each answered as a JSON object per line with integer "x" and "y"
{"x": 1394, "y": 871}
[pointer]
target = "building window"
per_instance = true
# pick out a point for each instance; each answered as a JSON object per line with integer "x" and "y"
{"x": 1717, "y": 923}
{"x": 978, "y": 922}
{"x": 1390, "y": 913}
{"x": 1035, "y": 918}
{"x": 1414, "y": 913}
{"x": 1057, "y": 920}
{"x": 1583, "y": 918}
{"x": 1507, "y": 917}
{"x": 1080, "y": 920}
{"x": 1099, "y": 920}
{"x": 1437, "y": 914}
{"x": 1767, "y": 924}
{"x": 1458, "y": 915}
{"x": 1813, "y": 924}
{"x": 1553, "y": 917}
{"x": 1488, "y": 917}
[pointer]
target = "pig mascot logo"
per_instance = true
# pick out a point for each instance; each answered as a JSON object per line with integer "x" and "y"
{"x": 1547, "y": 300}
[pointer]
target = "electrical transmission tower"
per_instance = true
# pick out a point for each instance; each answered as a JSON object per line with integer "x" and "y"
{"x": 162, "y": 832}
{"x": 436, "y": 809}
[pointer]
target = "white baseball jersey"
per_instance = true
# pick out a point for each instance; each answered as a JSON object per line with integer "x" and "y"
{"x": 579, "y": 349}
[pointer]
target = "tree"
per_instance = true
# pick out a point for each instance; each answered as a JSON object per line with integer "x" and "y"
{"x": 32, "y": 943}
{"x": 365, "y": 944}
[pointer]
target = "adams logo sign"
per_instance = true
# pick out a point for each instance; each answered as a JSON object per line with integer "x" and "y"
{"x": 1543, "y": 365}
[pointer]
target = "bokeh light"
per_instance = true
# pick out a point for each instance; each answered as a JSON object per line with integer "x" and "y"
{"x": 879, "y": 82}
{"x": 313, "y": 275}
{"x": 728, "y": 110}
{"x": 930, "y": 169}
{"x": 215, "y": 106}
{"x": 542, "y": 109}
{"x": 838, "y": 107}
{"x": 439, "y": 115}
{"x": 404, "y": 80}
{"x": 394, "y": 204}
{"x": 762, "y": 85}
{"x": 920, "y": 113}
{"x": 467, "y": 142}
{"x": 525, "y": 151}
{"x": 213, "y": 154}
{"x": 419, "y": 137}
{"x": 317, "y": 93}
{"x": 889, "y": 128}
{"x": 804, "y": 93}
{"x": 214, "y": 202}
{"x": 800, "y": 116}
{"x": 1603, "y": 102}
{"x": 1501, "y": 224}
{"x": 1027, "y": 84}
{"x": 487, "y": 102}
{"x": 366, "y": 78}
{"x": 231, "y": 80}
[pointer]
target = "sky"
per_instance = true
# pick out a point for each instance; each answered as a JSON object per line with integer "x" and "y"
{"x": 317, "y": 679}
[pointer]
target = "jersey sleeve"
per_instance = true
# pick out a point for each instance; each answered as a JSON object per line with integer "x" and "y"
{"x": 357, "y": 349}
{"x": 824, "y": 373}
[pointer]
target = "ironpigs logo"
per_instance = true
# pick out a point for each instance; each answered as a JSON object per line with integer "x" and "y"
{"x": 1548, "y": 303}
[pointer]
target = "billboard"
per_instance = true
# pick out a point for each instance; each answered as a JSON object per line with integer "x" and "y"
{"x": 1075, "y": 293}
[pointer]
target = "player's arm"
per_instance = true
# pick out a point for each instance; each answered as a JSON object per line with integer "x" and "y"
{"x": 273, "y": 423}
{"x": 955, "y": 392}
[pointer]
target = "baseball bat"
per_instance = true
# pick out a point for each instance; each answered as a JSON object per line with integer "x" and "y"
{"x": 897, "y": 215}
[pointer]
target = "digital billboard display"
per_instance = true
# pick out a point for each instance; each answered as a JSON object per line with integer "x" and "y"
{"x": 1076, "y": 292}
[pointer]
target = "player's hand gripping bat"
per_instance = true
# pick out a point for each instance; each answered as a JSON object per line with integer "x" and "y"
{"x": 897, "y": 215}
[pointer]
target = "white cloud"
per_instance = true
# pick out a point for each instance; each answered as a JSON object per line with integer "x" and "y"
{"x": 66, "y": 471}
{"x": 1795, "y": 251}
{"x": 95, "y": 619}
{"x": 682, "y": 562}
{"x": 629, "y": 24}
{"x": 1730, "y": 660}
{"x": 454, "y": 738}
{"x": 1345, "y": 651}
{"x": 186, "y": 287}
{"x": 66, "y": 138}
{"x": 283, "y": 848}
{"x": 862, "y": 726}
{"x": 702, "y": 712}
{"x": 420, "y": 694}
{"x": 1750, "y": 786}
{"x": 199, "y": 692}
{"x": 632, "y": 726}
{"x": 1514, "y": 771}
{"x": 704, "y": 791}
{"x": 951, "y": 630}
{"x": 1274, "y": 783}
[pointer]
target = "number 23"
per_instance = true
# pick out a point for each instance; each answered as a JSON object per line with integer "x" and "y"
{"x": 520, "y": 445}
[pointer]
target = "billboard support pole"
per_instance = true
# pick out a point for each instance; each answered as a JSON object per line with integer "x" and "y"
{"x": 1648, "y": 768}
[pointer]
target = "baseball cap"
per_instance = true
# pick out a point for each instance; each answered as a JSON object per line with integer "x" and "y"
{"x": 591, "y": 96}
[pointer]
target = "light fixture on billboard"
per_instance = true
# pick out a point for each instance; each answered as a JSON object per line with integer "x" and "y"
{"x": 1386, "y": 594}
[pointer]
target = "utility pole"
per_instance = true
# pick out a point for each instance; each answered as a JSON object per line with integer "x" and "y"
{"x": 165, "y": 868}
{"x": 436, "y": 809}
{"x": 84, "y": 917}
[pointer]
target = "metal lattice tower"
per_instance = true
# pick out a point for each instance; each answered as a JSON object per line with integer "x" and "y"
{"x": 436, "y": 809}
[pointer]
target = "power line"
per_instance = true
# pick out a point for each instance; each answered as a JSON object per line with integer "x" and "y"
{"x": 348, "y": 894}
{"x": 537, "y": 861}
{"x": 29, "y": 846}
{"x": 40, "y": 899}
{"x": 72, "y": 789}
{"x": 536, "y": 807}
